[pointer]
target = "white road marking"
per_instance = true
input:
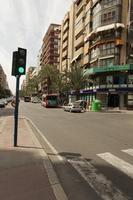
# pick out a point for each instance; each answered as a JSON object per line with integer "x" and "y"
{"x": 118, "y": 163}
{"x": 128, "y": 151}
{"x": 103, "y": 187}
{"x": 45, "y": 139}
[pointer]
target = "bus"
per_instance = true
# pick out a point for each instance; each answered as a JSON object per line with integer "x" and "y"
{"x": 50, "y": 100}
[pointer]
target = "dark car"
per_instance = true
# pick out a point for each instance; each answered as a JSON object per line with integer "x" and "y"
{"x": 27, "y": 99}
{"x": 2, "y": 104}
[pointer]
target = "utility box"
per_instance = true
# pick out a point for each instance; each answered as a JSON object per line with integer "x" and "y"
{"x": 96, "y": 105}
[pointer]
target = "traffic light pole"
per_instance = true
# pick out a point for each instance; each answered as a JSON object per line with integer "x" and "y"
{"x": 16, "y": 111}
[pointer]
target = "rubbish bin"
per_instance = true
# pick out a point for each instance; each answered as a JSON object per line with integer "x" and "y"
{"x": 96, "y": 105}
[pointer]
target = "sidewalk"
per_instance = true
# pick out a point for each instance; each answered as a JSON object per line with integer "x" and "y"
{"x": 23, "y": 174}
{"x": 113, "y": 110}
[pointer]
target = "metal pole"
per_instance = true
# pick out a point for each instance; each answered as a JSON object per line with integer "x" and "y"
{"x": 107, "y": 101}
{"x": 16, "y": 111}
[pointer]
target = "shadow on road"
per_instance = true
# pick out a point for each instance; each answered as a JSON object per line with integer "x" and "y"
{"x": 4, "y": 112}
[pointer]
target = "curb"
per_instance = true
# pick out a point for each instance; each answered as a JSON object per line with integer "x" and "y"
{"x": 47, "y": 164}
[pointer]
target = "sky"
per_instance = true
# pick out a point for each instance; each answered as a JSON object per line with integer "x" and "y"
{"x": 23, "y": 23}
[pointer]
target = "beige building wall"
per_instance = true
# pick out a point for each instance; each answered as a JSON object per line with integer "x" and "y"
{"x": 80, "y": 6}
{"x": 67, "y": 40}
{"x": 3, "y": 81}
{"x": 78, "y": 41}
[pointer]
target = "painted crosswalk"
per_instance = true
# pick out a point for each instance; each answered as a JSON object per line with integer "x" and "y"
{"x": 118, "y": 163}
{"x": 98, "y": 181}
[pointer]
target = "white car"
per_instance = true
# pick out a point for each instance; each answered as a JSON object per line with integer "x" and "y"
{"x": 73, "y": 107}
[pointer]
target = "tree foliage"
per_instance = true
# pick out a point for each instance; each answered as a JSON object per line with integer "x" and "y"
{"x": 77, "y": 80}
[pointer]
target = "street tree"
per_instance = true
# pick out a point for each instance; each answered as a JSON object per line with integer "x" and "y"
{"x": 77, "y": 80}
{"x": 48, "y": 74}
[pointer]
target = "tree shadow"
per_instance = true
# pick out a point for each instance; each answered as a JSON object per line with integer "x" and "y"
{"x": 4, "y": 112}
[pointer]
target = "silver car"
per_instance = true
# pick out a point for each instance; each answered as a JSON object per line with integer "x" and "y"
{"x": 73, "y": 107}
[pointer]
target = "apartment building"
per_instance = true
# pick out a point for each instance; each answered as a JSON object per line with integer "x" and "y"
{"x": 108, "y": 52}
{"x": 29, "y": 74}
{"x": 103, "y": 47}
{"x": 3, "y": 80}
{"x": 49, "y": 51}
{"x": 67, "y": 40}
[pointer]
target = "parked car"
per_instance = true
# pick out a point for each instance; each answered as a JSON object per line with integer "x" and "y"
{"x": 5, "y": 101}
{"x": 2, "y": 104}
{"x": 82, "y": 103}
{"x": 35, "y": 100}
{"x": 27, "y": 99}
{"x": 73, "y": 107}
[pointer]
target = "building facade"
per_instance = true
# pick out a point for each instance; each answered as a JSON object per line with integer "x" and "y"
{"x": 50, "y": 47}
{"x": 67, "y": 40}
{"x": 103, "y": 47}
{"x": 3, "y": 80}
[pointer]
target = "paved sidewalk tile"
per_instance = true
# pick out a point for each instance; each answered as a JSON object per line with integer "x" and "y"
{"x": 22, "y": 173}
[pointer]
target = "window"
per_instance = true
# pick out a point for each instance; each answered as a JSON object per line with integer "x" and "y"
{"x": 107, "y": 49}
{"x": 108, "y": 3}
{"x": 94, "y": 53}
{"x": 109, "y": 79}
{"x": 110, "y": 16}
{"x": 106, "y": 62}
{"x": 96, "y": 16}
{"x": 130, "y": 79}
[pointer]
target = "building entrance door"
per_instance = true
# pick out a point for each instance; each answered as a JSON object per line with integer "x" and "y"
{"x": 113, "y": 100}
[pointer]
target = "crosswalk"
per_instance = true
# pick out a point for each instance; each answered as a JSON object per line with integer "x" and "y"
{"x": 104, "y": 187}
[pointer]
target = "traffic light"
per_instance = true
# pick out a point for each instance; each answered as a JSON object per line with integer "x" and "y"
{"x": 14, "y": 63}
{"x": 19, "y": 62}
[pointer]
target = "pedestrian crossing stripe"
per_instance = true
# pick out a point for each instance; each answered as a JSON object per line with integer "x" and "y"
{"x": 101, "y": 185}
{"x": 118, "y": 163}
{"x": 128, "y": 151}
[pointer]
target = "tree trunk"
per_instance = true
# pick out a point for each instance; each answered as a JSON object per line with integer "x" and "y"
{"x": 77, "y": 95}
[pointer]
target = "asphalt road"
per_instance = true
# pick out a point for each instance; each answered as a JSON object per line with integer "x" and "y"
{"x": 96, "y": 148}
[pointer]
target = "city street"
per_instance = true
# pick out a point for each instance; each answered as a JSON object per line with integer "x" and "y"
{"x": 91, "y": 152}
{"x": 95, "y": 144}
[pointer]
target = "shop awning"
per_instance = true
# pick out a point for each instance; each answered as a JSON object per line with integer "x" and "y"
{"x": 95, "y": 70}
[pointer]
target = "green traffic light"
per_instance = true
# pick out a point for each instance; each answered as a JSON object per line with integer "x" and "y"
{"x": 21, "y": 70}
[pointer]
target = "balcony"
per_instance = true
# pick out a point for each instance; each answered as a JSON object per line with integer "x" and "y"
{"x": 79, "y": 18}
{"x": 65, "y": 36}
{"x": 66, "y": 26}
{"x": 66, "y": 17}
{"x": 79, "y": 41}
{"x": 64, "y": 54}
{"x": 65, "y": 44}
{"x": 64, "y": 63}
{"x": 80, "y": 7}
{"x": 79, "y": 28}
{"x": 79, "y": 52}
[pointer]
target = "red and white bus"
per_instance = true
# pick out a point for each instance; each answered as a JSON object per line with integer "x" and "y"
{"x": 50, "y": 100}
